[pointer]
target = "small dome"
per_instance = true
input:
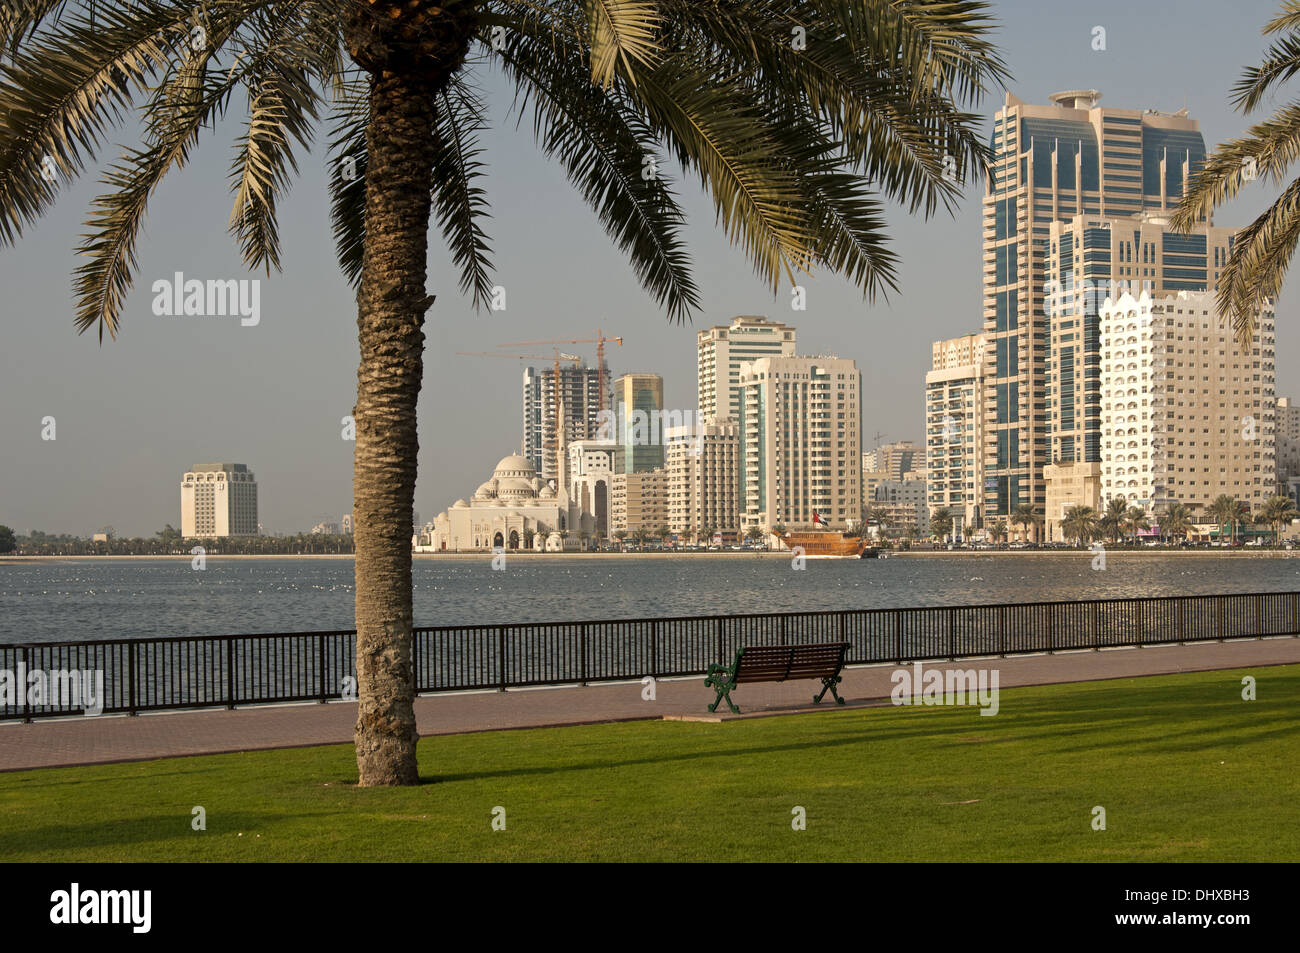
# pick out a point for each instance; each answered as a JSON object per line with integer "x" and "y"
{"x": 546, "y": 493}
{"x": 515, "y": 487}
{"x": 486, "y": 491}
{"x": 459, "y": 504}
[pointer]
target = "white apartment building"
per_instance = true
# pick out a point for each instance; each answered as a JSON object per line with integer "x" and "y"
{"x": 800, "y": 424}
{"x": 703, "y": 480}
{"x": 954, "y": 427}
{"x": 1186, "y": 413}
{"x": 721, "y": 352}
{"x": 218, "y": 499}
{"x": 903, "y": 503}
{"x": 1288, "y": 440}
{"x": 589, "y": 477}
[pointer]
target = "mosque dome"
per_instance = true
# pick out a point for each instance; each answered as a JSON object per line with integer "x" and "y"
{"x": 515, "y": 467}
{"x": 486, "y": 491}
{"x": 459, "y": 504}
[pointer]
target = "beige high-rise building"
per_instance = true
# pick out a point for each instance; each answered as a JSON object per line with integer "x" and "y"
{"x": 954, "y": 427}
{"x": 639, "y": 501}
{"x": 721, "y": 352}
{"x": 1090, "y": 258}
{"x": 1288, "y": 440}
{"x": 1052, "y": 163}
{"x": 703, "y": 485}
{"x": 1187, "y": 414}
{"x": 218, "y": 499}
{"x": 800, "y": 423}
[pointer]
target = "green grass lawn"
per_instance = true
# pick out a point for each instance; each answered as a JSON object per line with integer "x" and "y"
{"x": 1185, "y": 769}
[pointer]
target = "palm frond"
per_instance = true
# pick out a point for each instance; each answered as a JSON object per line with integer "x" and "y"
{"x": 61, "y": 93}
{"x": 348, "y": 162}
{"x": 620, "y": 32}
{"x": 283, "y": 109}
{"x": 604, "y": 149}
{"x": 459, "y": 202}
{"x": 190, "y": 98}
{"x": 1261, "y": 256}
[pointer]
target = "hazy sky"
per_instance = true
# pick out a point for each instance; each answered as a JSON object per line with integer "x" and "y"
{"x": 133, "y": 414}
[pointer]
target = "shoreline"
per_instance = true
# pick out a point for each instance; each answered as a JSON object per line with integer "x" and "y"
{"x": 693, "y": 554}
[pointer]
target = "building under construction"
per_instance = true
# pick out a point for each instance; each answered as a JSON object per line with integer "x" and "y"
{"x": 580, "y": 398}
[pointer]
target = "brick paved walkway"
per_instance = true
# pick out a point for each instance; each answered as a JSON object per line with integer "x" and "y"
{"x": 120, "y": 738}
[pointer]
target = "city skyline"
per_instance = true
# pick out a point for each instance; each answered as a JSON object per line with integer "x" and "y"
{"x": 175, "y": 389}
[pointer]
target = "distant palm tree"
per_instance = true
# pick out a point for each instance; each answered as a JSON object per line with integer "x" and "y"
{"x": 941, "y": 522}
{"x": 798, "y": 142}
{"x": 1080, "y": 523}
{"x": 1024, "y": 515}
{"x": 1176, "y": 520}
{"x": 998, "y": 531}
{"x": 1226, "y": 511}
{"x": 1111, "y": 520}
{"x": 1135, "y": 519}
{"x": 1262, "y": 251}
{"x": 1276, "y": 511}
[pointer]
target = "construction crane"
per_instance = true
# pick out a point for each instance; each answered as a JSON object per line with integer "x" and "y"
{"x": 599, "y": 340}
{"x": 553, "y": 444}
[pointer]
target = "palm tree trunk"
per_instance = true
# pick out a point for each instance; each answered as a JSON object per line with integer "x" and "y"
{"x": 391, "y": 305}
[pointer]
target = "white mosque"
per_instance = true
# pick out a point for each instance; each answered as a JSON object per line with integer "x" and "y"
{"x": 514, "y": 510}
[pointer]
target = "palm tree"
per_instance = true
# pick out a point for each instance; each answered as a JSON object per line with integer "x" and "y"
{"x": 941, "y": 522}
{"x": 1226, "y": 511}
{"x": 998, "y": 530}
{"x": 1176, "y": 520}
{"x": 1262, "y": 250}
{"x": 1080, "y": 523}
{"x": 1135, "y": 519}
{"x": 797, "y": 144}
{"x": 1276, "y": 511}
{"x": 1111, "y": 521}
{"x": 1024, "y": 515}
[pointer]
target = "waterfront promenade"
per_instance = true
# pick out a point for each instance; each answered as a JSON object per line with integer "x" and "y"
{"x": 110, "y": 738}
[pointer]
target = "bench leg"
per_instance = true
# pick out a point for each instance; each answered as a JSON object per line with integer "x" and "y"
{"x": 724, "y": 692}
{"x": 829, "y": 684}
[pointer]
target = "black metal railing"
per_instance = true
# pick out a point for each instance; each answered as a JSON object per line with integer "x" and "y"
{"x": 230, "y": 670}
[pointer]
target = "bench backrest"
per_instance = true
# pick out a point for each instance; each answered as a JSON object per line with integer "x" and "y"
{"x": 779, "y": 663}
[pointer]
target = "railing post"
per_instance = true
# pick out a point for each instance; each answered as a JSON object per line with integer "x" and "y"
{"x": 952, "y": 634}
{"x": 230, "y": 674}
{"x": 1295, "y": 630}
{"x": 1095, "y": 612}
{"x": 1218, "y": 602}
{"x": 1051, "y": 629}
{"x": 501, "y": 656}
{"x": 1259, "y": 620}
{"x": 582, "y": 651}
{"x": 654, "y": 649}
{"x": 21, "y": 687}
{"x": 898, "y": 636}
{"x": 718, "y": 655}
{"x": 130, "y": 679}
{"x": 320, "y": 664}
{"x": 1002, "y": 631}
{"x": 1179, "y": 626}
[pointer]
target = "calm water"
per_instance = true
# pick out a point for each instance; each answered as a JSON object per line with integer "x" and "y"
{"x": 124, "y": 598}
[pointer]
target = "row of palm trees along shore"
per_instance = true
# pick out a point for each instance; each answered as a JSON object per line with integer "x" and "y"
{"x": 1121, "y": 521}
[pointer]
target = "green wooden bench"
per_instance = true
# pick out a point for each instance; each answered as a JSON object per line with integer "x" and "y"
{"x": 779, "y": 663}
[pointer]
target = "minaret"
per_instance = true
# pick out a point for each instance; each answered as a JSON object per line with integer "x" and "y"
{"x": 561, "y": 454}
